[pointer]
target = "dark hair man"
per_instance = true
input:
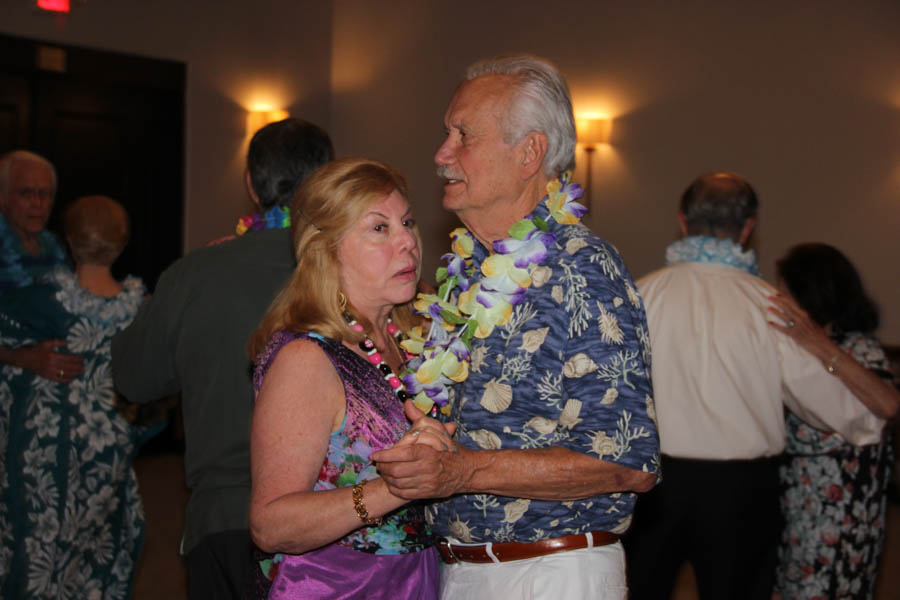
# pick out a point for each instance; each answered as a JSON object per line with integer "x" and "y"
{"x": 191, "y": 337}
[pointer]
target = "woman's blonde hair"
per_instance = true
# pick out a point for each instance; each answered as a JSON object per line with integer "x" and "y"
{"x": 323, "y": 210}
{"x": 97, "y": 229}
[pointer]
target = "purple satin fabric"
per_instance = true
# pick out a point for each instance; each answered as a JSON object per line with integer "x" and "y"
{"x": 338, "y": 572}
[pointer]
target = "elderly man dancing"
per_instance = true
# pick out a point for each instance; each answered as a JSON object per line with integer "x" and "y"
{"x": 548, "y": 341}
{"x": 28, "y": 251}
{"x": 723, "y": 377}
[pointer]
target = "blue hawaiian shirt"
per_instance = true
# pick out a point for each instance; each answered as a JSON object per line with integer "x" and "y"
{"x": 18, "y": 268}
{"x": 570, "y": 369}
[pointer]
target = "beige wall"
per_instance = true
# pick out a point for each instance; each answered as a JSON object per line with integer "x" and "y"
{"x": 238, "y": 53}
{"x": 803, "y": 98}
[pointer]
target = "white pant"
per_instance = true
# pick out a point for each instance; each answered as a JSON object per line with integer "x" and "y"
{"x": 595, "y": 573}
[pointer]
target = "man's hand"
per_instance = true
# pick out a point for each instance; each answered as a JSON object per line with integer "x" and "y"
{"x": 414, "y": 471}
{"x": 44, "y": 360}
{"x": 426, "y": 462}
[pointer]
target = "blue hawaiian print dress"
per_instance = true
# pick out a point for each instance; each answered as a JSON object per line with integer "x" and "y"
{"x": 71, "y": 520}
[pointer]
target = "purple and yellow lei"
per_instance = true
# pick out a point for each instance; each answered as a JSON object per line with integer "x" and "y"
{"x": 480, "y": 302}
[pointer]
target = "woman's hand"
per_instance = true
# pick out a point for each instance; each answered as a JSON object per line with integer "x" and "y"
{"x": 880, "y": 397}
{"x": 800, "y": 327}
{"x": 428, "y": 431}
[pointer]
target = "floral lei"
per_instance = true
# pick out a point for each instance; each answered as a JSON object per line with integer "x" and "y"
{"x": 482, "y": 302}
{"x": 277, "y": 217}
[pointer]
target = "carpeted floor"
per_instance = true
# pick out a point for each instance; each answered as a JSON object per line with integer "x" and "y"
{"x": 161, "y": 573}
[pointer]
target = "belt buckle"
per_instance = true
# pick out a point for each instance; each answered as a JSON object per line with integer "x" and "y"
{"x": 450, "y": 550}
{"x": 446, "y": 544}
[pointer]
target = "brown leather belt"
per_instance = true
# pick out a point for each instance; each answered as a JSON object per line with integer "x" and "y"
{"x": 507, "y": 551}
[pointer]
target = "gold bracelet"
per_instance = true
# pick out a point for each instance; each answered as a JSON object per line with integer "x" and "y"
{"x": 361, "y": 511}
{"x": 832, "y": 364}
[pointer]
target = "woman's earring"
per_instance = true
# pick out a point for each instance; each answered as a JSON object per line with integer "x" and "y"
{"x": 342, "y": 301}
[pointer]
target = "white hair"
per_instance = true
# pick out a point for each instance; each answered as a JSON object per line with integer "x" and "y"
{"x": 7, "y": 160}
{"x": 541, "y": 102}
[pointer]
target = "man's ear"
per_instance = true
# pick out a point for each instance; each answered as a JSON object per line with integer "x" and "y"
{"x": 250, "y": 189}
{"x": 682, "y": 222}
{"x": 749, "y": 226}
{"x": 533, "y": 149}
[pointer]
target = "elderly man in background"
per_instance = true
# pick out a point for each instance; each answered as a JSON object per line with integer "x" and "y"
{"x": 555, "y": 432}
{"x": 192, "y": 337}
{"x": 722, "y": 376}
{"x": 28, "y": 251}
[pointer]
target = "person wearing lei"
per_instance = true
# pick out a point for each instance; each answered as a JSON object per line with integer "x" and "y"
{"x": 327, "y": 397}
{"x": 29, "y": 251}
{"x": 536, "y": 349}
{"x": 190, "y": 339}
{"x": 71, "y": 520}
{"x": 723, "y": 377}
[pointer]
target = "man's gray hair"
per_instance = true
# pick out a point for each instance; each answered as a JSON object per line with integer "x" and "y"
{"x": 541, "y": 103}
{"x": 718, "y": 204}
{"x": 7, "y": 160}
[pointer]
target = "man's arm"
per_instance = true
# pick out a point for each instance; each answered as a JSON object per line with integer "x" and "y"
{"x": 823, "y": 400}
{"x": 419, "y": 471}
{"x": 143, "y": 354}
{"x": 612, "y": 420}
{"x": 43, "y": 360}
{"x": 879, "y": 396}
{"x": 28, "y": 314}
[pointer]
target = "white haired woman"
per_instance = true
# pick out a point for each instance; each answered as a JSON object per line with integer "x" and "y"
{"x": 328, "y": 396}
{"x": 71, "y": 521}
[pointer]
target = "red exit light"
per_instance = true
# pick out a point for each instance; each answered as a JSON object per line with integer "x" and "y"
{"x": 54, "y": 5}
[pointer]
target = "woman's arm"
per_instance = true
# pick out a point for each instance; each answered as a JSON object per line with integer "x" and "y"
{"x": 879, "y": 396}
{"x": 300, "y": 404}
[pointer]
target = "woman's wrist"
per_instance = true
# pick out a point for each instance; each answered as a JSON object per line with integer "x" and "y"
{"x": 359, "y": 505}
{"x": 824, "y": 349}
{"x": 376, "y": 498}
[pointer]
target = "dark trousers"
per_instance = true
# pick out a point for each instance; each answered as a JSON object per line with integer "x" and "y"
{"x": 722, "y": 516}
{"x": 218, "y": 567}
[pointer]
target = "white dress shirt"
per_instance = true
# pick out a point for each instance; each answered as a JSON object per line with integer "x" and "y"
{"x": 722, "y": 374}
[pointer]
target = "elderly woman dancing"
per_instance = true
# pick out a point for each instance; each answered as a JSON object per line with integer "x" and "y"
{"x": 328, "y": 396}
{"x": 71, "y": 521}
{"x": 834, "y": 497}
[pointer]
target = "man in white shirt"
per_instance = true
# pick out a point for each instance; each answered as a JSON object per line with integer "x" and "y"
{"x": 722, "y": 377}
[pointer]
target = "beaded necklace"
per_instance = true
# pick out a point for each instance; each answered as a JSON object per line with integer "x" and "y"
{"x": 375, "y": 357}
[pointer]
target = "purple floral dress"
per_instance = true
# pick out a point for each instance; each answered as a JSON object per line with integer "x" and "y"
{"x": 834, "y": 502}
{"x": 395, "y": 560}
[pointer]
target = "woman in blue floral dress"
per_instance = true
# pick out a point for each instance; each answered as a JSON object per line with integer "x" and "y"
{"x": 71, "y": 521}
{"x": 834, "y": 498}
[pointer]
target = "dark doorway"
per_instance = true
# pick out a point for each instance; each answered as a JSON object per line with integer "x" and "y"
{"x": 112, "y": 124}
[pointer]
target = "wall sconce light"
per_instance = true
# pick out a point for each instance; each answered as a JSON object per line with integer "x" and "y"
{"x": 592, "y": 132}
{"x": 257, "y": 119}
